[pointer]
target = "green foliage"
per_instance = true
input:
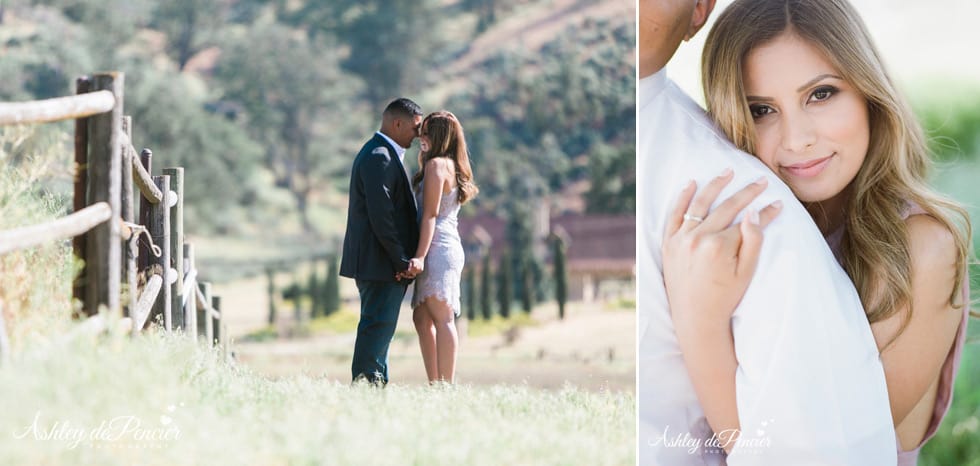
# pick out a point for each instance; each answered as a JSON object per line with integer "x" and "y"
{"x": 45, "y": 63}
{"x": 527, "y": 285}
{"x": 271, "y": 290}
{"x": 470, "y": 292}
{"x": 389, "y": 55}
{"x": 505, "y": 283}
{"x": 486, "y": 287}
{"x": 520, "y": 239}
{"x": 190, "y": 26}
{"x": 331, "y": 289}
{"x": 293, "y": 292}
{"x": 542, "y": 117}
{"x": 266, "y": 125}
{"x": 486, "y": 12}
{"x": 314, "y": 292}
{"x": 285, "y": 97}
{"x": 951, "y": 121}
{"x": 612, "y": 172}
{"x": 561, "y": 275}
{"x": 220, "y": 158}
{"x": 108, "y": 24}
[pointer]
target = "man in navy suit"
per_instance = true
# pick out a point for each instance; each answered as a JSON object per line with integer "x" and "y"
{"x": 382, "y": 235}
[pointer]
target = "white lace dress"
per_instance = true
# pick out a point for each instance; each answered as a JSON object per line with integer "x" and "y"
{"x": 444, "y": 262}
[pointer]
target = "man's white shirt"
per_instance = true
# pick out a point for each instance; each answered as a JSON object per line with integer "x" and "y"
{"x": 810, "y": 386}
{"x": 398, "y": 149}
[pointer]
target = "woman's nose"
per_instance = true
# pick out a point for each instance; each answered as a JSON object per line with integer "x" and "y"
{"x": 798, "y": 133}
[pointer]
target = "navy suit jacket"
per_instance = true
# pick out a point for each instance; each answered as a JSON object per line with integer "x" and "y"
{"x": 382, "y": 218}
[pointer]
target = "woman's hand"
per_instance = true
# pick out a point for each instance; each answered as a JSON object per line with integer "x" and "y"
{"x": 707, "y": 261}
{"x": 707, "y": 267}
{"x": 415, "y": 266}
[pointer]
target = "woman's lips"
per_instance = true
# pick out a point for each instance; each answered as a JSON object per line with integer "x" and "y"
{"x": 808, "y": 169}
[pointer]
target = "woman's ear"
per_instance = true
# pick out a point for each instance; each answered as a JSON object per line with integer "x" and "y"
{"x": 702, "y": 9}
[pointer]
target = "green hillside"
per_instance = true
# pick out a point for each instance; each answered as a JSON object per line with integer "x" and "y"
{"x": 264, "y": 102}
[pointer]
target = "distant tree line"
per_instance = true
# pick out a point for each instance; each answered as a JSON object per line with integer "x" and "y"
{"x": 269, "y": 99}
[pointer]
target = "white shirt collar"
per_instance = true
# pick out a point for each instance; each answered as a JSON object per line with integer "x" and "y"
{"x": 651, "y": 86}
{"x": 398, "y": 149}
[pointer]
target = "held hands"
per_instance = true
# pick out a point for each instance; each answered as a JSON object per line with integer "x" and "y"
{"x": 708, "y": 262}
{"x": 415, "y": 267}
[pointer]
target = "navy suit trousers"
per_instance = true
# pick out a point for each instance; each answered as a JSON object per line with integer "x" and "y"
{"x": 380, "y": 303}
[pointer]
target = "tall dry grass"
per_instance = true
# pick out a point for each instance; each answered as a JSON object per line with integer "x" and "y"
{"x": 159, "y": 399}
{"x": 36, "y": 167}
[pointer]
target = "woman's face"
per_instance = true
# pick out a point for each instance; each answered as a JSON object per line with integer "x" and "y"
{"x": 424, "y": 142}
{"x": 811, "y": 126}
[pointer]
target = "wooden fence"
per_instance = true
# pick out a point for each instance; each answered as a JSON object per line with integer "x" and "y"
{"x": 139, "y": 270}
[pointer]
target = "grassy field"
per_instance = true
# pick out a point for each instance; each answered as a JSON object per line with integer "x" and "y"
{"x": 161, "y": 400}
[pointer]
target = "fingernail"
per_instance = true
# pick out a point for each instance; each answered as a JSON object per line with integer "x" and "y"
{"x": 754, "y": 217}
{"x": 725, "y": 174}
{"x": 690, "y": 184}
{"x": 777, "y": 204}
{"x": 761, "y": 181}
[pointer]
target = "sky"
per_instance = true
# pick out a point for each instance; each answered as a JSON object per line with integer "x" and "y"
{"x": 922, "y": 42}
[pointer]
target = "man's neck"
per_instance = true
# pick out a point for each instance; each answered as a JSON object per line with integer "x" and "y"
{"x": 400, "y": 151}
{"x": 389, "y": 139}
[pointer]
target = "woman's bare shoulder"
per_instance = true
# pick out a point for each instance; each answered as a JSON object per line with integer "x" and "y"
{"x": 932, "y": 245}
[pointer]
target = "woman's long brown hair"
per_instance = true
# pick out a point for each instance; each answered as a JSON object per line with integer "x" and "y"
{"x": 447, "y": 140}
{"x": 875, "y": 246}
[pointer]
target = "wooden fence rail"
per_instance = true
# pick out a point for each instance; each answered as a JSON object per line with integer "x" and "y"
{"x": 110, "y": 174}
{"x": 66, "y": 227}
{"x": 57, "y": 109}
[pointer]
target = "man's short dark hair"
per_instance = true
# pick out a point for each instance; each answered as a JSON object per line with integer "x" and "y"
{"x": 403, "y": 108}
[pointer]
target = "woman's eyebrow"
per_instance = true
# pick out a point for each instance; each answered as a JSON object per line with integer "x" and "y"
{"x": 816, "y": 80}
{"x": 756, "y": 98}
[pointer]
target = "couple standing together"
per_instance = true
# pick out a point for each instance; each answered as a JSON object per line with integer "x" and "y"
{"x": 402, "y": 230}
{"x": 835, "y": 341}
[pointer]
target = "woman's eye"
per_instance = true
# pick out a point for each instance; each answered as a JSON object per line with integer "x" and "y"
{"x": 822, "y": 94}
{"x": 759, "y": 111}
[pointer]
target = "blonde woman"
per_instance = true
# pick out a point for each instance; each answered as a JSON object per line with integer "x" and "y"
{"x": 800, "y": 85}
{"x": 443, "y": 183}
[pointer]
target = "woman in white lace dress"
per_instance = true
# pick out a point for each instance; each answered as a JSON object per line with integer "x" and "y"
{"x": 443, "y": 183}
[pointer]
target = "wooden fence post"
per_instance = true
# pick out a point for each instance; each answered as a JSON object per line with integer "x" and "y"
{"x": 216, "y": 322}
{"x": 105, "y": 185}
{"x": 204, "y": 314}
{"x": 143, "y": 257}
{"x": 129, "y": 215}
{"x": 159, "y": 227}
{"x": 190, "y": 294}
{"x": 82, "y": 85}
{"x": 271, "y": 290}
{"x": 177, "y": 243}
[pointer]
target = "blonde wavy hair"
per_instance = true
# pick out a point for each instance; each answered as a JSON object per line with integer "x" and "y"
{"x": 447, "y": 138}
{"x": 875, "y": 246}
